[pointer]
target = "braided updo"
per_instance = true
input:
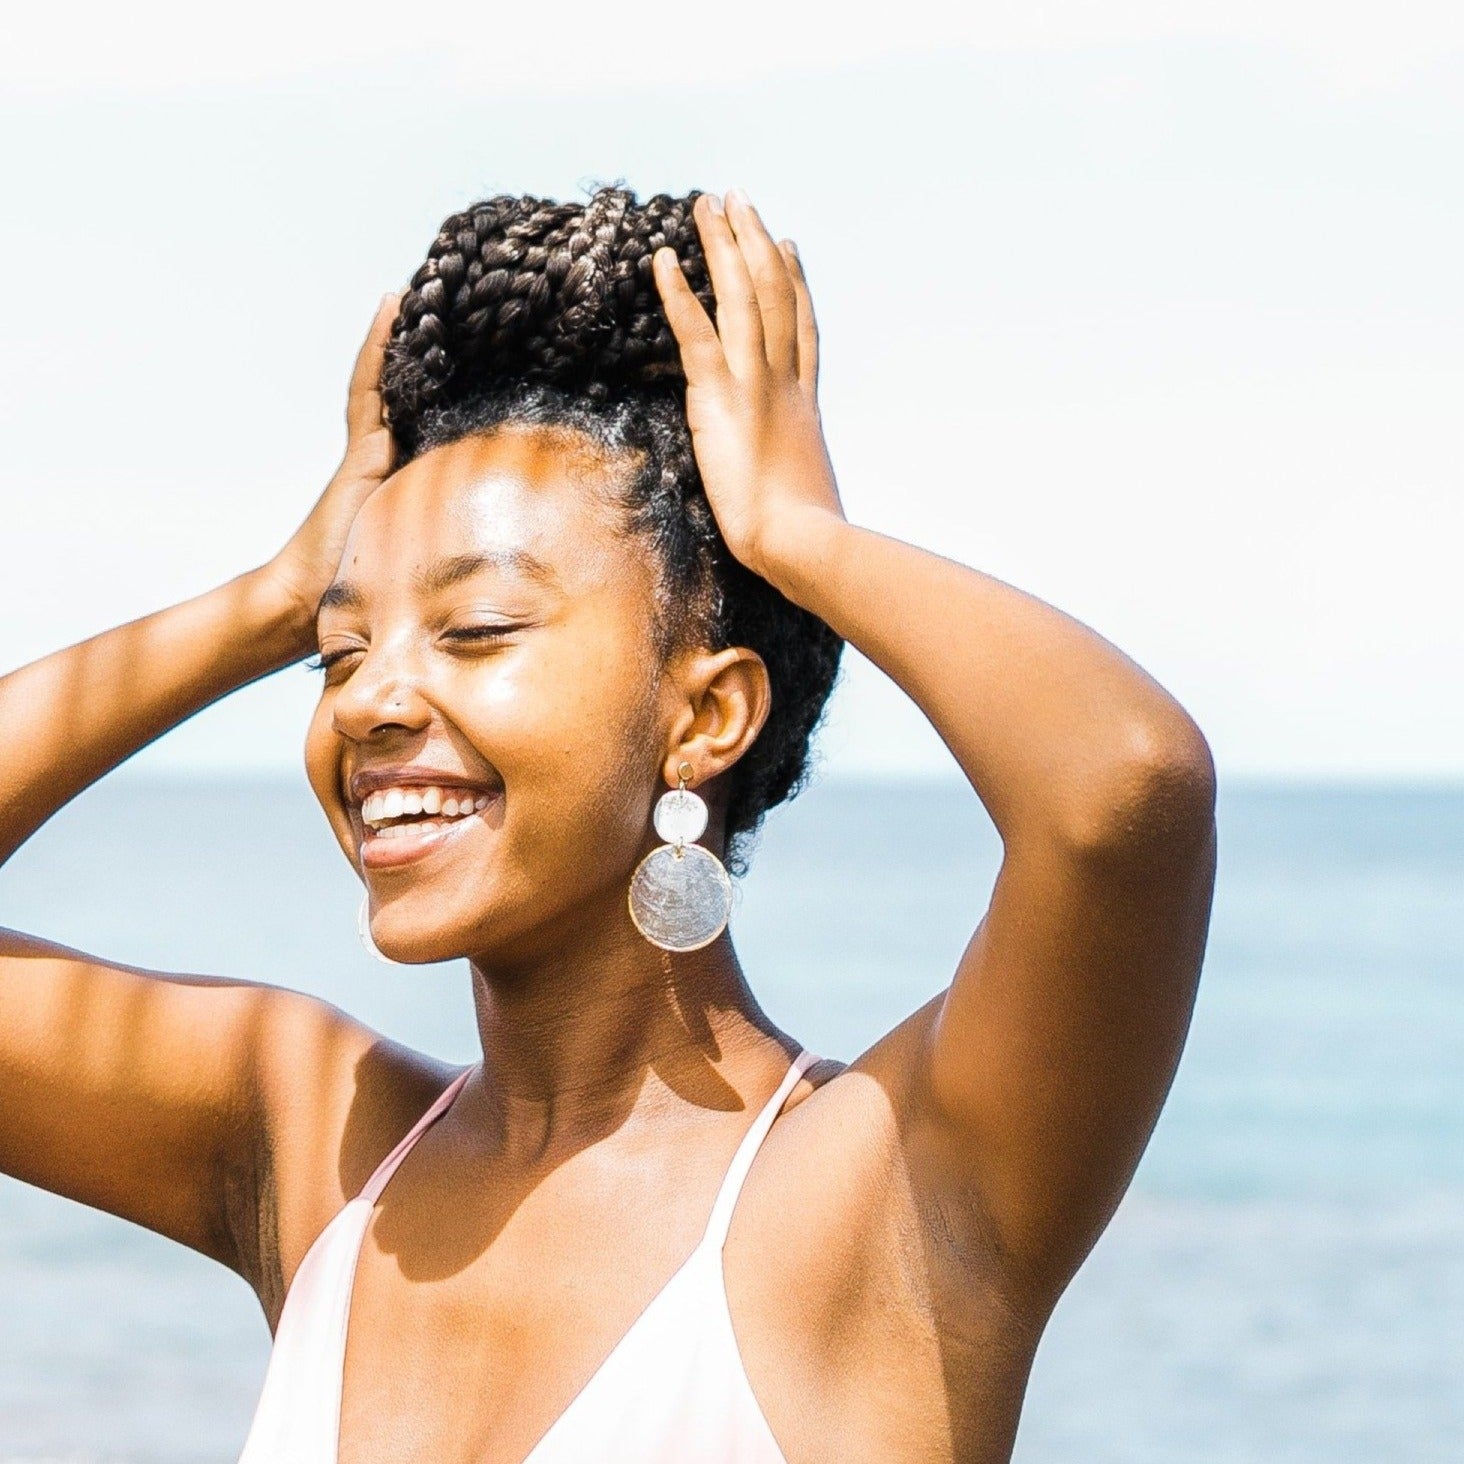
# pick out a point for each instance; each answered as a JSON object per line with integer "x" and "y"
{"x": 529, "y": 312}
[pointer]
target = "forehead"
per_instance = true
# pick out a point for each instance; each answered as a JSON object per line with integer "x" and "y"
{"x": 521, "y": 497}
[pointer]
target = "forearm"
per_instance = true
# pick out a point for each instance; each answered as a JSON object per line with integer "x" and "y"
{"x": 74, "y": 715}
{"x": 1053, "y": 725}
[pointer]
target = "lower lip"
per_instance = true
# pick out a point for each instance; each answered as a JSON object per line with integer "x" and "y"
{"x": 378, "y": 853}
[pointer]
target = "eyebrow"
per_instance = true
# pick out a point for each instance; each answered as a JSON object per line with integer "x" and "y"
{"x": 441, "y": 574}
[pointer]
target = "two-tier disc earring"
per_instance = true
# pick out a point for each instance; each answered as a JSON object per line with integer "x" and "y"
{"x": 680, "y": 894}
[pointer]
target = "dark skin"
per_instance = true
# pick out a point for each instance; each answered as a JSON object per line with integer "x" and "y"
{"x": 911, "y": 1218}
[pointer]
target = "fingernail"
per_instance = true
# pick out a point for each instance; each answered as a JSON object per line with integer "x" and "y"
{"x": 739, "y": 196}
{"x": 714, "y": 203}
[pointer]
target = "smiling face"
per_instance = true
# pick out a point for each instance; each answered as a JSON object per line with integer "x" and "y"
{"x": 490, "y": 626}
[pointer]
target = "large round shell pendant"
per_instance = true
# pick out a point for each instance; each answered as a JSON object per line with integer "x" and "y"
{"x": 680, "y": 899}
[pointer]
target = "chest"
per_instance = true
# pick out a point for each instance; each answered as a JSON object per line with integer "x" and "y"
{"x": 481, "y": 1314}
{"x": 512, "y": 1332}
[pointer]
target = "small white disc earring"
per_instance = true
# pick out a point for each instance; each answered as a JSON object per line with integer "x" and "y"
{"x": 363, "y": 929}
{"x": 680, "y": 894}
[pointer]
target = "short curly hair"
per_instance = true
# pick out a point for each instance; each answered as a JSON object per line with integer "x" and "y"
{"x": 531, "y": 312}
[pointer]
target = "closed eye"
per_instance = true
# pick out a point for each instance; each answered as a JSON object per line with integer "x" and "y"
{"x": 328, "y": 659}
{"x": 480, "y": 632}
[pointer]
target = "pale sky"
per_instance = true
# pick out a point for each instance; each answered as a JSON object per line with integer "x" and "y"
{"x": 1152, "y": 310}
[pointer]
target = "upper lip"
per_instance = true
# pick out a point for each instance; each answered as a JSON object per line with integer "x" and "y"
{"x": 365, "y": 781}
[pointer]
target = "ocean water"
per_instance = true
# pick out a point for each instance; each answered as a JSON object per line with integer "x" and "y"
{"x": 1284, "y": 1281}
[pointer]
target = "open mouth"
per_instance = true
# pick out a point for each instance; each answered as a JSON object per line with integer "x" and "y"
{"x": 402, "y": 824}
{"x": 422, "y": 821}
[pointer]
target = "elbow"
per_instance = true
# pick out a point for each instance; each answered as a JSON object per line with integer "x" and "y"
{"x": 1158, "y": 796}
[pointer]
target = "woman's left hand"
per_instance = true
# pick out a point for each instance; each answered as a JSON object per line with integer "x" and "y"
{"x": 752, "y": 382}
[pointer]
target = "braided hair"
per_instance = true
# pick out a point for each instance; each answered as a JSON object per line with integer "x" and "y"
{"x": 530, "y": 312}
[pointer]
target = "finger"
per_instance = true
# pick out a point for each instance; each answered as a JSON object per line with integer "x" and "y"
{"x": 363, "y": 399}
{"x": 739, "y": 321}
{"x": 773, "y": 283}
{"x": 807, "y": 324}
{"x": 702, "y": 357}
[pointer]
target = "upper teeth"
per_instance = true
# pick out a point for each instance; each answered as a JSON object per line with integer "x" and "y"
{"x": 394, "y": 802}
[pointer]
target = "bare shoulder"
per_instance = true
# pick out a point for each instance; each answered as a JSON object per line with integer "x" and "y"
{"x": 856, "y": 1137}
{"x": 845, "y": 1117}
{"x": 335, "y": 1095}
{"x": 880, "y": 1288}
{"x": 831, "y": 1178}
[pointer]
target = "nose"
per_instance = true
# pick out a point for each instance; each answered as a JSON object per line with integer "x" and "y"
{"x": 383, "y": 690}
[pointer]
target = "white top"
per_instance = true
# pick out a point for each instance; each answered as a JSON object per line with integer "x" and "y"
{"x": 672, "y": 1391}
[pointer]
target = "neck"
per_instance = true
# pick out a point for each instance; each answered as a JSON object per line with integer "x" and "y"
{"x": 569, "y": 1046}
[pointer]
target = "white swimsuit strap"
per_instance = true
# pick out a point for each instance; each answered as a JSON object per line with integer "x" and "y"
{"x": 715, "y": 1235}
{"x": 371, "y": 1192}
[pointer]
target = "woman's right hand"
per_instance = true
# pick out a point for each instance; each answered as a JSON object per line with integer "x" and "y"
{"x": 151, "y": 1095}
{"x": 308, "y": 562}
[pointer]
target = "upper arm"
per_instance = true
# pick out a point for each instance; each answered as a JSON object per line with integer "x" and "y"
{"x": 1041, "y": 1073}
{"x": 136, "y": 1091}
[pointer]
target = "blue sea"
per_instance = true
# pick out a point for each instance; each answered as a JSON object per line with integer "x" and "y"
{"x": 1284, "y": 1281}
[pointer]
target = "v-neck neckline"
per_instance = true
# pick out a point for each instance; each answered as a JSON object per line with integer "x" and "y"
{"x": 737, "y": 1169}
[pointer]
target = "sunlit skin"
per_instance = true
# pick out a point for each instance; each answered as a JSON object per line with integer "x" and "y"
{"x": 913, "y": 1215}
{"x": 572, "y": 710}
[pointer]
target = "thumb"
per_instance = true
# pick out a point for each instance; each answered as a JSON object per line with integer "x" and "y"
{"x": 363, "y": 400}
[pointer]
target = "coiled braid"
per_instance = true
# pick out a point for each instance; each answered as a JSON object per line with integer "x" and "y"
{"x": 531, "y": 312}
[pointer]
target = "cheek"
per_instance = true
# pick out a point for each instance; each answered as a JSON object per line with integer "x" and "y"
{"x": 315, "y": 749}
{"x": 579, "y": 699}
{"x": 573, "y": 736}
{"x": 322, "y": 761}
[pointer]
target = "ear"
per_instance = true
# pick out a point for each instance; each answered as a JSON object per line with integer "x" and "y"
{"x": 725, "y": 697}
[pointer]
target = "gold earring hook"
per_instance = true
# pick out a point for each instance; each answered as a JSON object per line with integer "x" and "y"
{"x": 684, "y": 773}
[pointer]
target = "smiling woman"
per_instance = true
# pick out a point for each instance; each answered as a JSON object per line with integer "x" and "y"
{"x": 545, "y": 316}
{"x": 585, "y": 548}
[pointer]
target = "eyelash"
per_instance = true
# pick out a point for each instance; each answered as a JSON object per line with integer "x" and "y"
{"x": 324, "y": 662}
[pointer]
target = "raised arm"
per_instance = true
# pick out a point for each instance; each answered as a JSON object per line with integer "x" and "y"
{"x": 1027, "y": 1091}
{"x": 123, "y": 1088}
{"x": 1033, "y": 1084}
{"x": 136, "y": 1091}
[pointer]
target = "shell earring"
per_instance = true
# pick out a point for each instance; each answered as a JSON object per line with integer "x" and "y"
{"x": 680, "y": 894}
{"x": 363, "y": 929}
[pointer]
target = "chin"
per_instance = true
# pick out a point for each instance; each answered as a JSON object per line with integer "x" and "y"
{"x": 398, "y": 942}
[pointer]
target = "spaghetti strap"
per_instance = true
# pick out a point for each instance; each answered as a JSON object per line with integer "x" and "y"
{"x": 671, "y": 1390}
{"x": 720, "y": 1221}
{"x": 388, "y": 1166}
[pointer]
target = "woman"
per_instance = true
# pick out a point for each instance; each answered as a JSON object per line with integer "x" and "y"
{"x": 585, "y": 550}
